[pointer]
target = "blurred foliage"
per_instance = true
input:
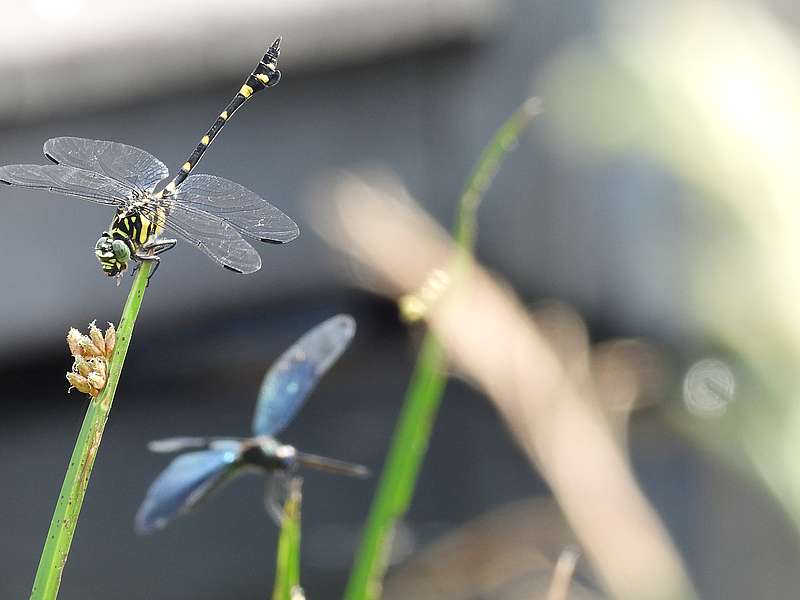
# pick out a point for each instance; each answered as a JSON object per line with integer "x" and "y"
{"x": 412, "y": 433}
{"x": 708, "y": 91}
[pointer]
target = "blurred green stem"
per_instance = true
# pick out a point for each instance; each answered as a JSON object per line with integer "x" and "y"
{"x": 503, "y": 141}
{"x": 287, "y": 571}
{"x": 70, "y": 500}
{"x": 412, "y": 433}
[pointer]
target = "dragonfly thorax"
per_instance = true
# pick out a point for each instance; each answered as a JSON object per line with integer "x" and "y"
{"x": 268, "y": 453}
{"x": 134, "y": 228}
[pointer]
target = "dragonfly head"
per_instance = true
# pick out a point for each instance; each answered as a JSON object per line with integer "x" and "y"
{"x": 114, "y": 255}
{"x": 287, "y": 455}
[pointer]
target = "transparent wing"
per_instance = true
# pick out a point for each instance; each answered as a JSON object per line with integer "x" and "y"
{"x": 61, "y": 179}
{"x": 290, "y": 380}
{"x": 187, "y": 480}
{"x": 127, "y": 164}
{"x": 214, "y": 236}
{"x": 235, "y": 204}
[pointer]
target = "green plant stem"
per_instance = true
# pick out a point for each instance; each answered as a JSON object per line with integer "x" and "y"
{"x": 287, "y": 571}
{"x": 399, "y": 475}
{"x": 412, "y": 433}
{"x": 70, "y": 500}
{"x": 503, "y": 141}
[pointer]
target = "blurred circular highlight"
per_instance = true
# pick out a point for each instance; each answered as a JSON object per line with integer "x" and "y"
{"x": 708, "y": 388}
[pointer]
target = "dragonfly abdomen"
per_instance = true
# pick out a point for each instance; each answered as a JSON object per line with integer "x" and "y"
{"x": 265, "y": 75}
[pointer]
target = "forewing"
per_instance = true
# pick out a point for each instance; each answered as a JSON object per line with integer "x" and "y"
{"x": 186, "y": 481}
{"x": 234, "y": 203}
{"x": 179, "y": 444}
{"x": 61, "y": 179}
{"x": 126, "y": 164}
{"x": 211, "y": 234}
{"x": 290, "y": 380}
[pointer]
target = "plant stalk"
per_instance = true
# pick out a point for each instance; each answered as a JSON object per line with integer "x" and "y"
{"x": 287, "y": 572}
{"x": 68, "y": 508}
{"x": 412, "y": 433}
{"x": 399, "y": 475}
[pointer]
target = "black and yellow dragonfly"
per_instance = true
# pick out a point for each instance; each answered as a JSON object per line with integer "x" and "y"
{"x": 210, "y": 212}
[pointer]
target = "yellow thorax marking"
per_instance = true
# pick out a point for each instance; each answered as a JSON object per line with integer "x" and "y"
{"x": 144, "y": 232}
{"x": 170, "y": 187}
{"x": 157, "y": 227}
{"x": 246, "y": 91}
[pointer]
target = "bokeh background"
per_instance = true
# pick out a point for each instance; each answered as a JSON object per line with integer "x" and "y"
{"x": 655, "y": 195}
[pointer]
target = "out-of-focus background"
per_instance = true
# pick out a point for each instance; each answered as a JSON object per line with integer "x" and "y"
{"x": 655, "y": 195}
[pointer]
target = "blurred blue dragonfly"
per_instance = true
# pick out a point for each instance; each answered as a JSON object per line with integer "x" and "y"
{"x": 192, "y": 476}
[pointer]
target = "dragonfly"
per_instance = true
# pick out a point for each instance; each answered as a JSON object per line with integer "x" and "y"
{"x": 207, "y": 463}
{"x": 209, "y": 212}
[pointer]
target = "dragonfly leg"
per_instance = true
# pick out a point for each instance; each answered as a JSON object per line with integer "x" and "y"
{"x": 149, "y": 258}
{"x": 158, "y": 246}
{"x": 150, "y": 251}
{"x": 276, "y": 490}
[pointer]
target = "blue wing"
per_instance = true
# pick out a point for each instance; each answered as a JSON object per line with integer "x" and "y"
{"x": 186, "y": 481}
{"x": 290, "y": 380}
{"x": 179, "y": 444}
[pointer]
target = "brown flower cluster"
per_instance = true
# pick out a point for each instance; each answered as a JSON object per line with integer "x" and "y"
{"x": 92, "y": 354}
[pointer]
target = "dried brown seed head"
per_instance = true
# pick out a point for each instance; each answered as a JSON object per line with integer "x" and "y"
{"x": 91, "y": 353}
{"x": 73, "y": 341}
{"x": 87, "y": 346}
{"x": 79, "y": 382}
{"x": 96, "y": 380}
{"x": 97, "y": 339}
{"x": 100, "y": 366}
{"x": 82, "y": 366}
{"x": 110, "y": 340}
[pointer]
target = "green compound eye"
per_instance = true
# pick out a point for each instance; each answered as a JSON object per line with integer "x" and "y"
{"x": 103, "y": 246}
{"x": 121, "y": 251}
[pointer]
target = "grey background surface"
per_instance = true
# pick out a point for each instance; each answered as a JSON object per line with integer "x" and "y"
{"x": 609, "y": 241}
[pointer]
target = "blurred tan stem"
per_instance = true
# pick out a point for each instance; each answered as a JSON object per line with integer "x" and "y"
{"x": 562, "y": 575}
{"x": 549, "y": 403}
{"x": 564, "y": 430}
